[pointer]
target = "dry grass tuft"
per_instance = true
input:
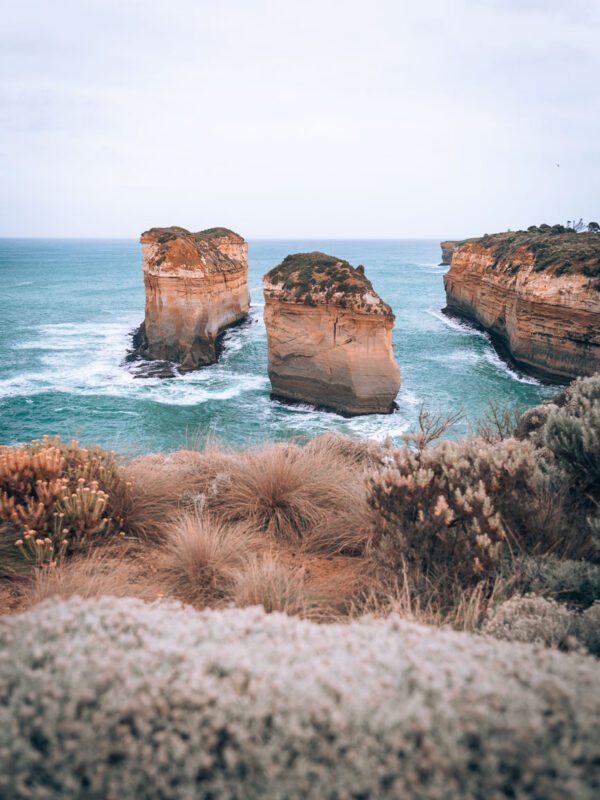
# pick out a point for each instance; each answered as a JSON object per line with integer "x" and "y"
{"x": 203, "y": 556}
{"x": 417, "y": 598}
{"x": 348, "y": 452}
{"x": 92, "y": 575}
{"x": 309, "y": 498}
{"x": 265, "y": 581}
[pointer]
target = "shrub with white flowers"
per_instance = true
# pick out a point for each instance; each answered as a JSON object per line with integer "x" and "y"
{"x": 449, "y": 510}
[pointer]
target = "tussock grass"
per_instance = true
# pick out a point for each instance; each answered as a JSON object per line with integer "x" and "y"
{"x": 94, "y": 575}
{"x": 309, "y": 497}
{"x": 265, "y": 582}
{"x": 346, "y": 451}
{"x": 203, "y": 556}
{"x": 437, "y": 534}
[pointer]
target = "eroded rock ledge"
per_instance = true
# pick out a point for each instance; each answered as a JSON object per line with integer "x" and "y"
{"x": 538, "y": 294}
{"x": 448, "y": 250}
{"x": 329, "y": 336}
{"x": 196, "y": 286}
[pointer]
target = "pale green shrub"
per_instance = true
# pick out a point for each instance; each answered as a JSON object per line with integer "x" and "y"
{"x": 534, "y": 619}
{"x": 118, "y": 699}
{"x": 539, "y": 620}
{"x": 572, "y": 434}
{"x": 576, "y": 582}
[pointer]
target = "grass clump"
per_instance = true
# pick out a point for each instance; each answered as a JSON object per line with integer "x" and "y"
{"x": 203, "y": 555}
{"x": 295, "y": 495}
{"x": 94, "y": 574}
{"x": 265, "y": 581}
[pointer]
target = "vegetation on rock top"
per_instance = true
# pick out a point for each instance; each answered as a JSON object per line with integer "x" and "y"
{"x": 202, "y": 241}
{"x": 173, "y": 231}
{"x": 556, "y": 250}
{"x": 315, "y": 278}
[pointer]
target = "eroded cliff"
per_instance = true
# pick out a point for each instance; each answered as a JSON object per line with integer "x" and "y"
{"x": 329, "y": 336}
{"x": 448, "y": 250}
{"x": 196, "y": 285}
{"x": 538, "y": 294}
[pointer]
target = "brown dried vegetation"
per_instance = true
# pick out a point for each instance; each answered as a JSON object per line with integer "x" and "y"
{"x": 438, "y": 533}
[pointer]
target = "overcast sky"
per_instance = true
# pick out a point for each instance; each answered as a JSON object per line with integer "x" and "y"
{"x": 298, "y": 118}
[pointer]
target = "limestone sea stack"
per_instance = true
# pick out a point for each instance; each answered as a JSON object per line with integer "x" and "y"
{"x": 537, "y": 292}
{"x": 329, "y": 336}
{"x": 196, "y": 286}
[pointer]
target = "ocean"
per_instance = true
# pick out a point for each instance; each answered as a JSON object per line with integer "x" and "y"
{"x": 68, "y": 308}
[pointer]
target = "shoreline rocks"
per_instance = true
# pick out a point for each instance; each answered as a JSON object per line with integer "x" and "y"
{"x": 196, "y": 287}
{"x": 537, "y": 294}
{"x": 329, "y": 336}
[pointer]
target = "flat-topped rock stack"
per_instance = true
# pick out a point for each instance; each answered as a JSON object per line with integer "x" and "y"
{"x": 329, "y": 336}
{"x": 196, "y": 286}
{"x": 538, "y": 294}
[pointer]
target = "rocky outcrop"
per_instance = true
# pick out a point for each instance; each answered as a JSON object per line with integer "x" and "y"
{"x": 448, "y": 250}
{"x": 196, "y": 285}
{"x": 329, "y": 336}
{"x": 537, "y": 293}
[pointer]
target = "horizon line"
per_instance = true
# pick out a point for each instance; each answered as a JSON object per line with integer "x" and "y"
{"x": 248, "y": 238}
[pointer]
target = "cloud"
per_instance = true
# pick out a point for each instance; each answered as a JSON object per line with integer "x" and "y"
{"x": 298, "y": 118}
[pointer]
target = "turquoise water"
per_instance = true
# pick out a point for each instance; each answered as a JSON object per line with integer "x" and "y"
{"x": 68, "y": 308}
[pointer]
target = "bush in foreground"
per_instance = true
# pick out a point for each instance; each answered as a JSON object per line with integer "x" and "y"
{"x": 449, "y": 511}
{"x": 159, "y": 701}
{"x": 59, "y": 497}
{"x": 537, "y": 620}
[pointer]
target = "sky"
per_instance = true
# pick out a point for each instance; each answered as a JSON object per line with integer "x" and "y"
{"x": 296, "y": 118}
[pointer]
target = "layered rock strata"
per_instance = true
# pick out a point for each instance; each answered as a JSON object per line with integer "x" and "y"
{"x": 196, "y": 286}
{"x": 537, "y": 293}
{"x": 329, "y": 336}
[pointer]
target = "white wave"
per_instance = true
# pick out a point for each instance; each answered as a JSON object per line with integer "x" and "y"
{"x": 490, "y": 355}
{"x": 456, "y": 324}
{"x": 409, "y": 397}
{"x": 495, "y": 360}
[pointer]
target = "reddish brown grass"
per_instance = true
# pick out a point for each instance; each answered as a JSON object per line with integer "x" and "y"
{"x": 93, "y": 575}
{"x": 203, "y": 556}
{"x": 265, "y": 581}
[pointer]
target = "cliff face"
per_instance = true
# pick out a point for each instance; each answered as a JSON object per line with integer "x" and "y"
{"x": 538, "y": 294}
{"x": 448, "y": 250}
{"x": 196, "y": 285}
{"x": 329, "y": 336}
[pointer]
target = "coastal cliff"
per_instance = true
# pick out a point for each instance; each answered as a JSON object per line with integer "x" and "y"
{"x": 329, "y": 336}
{"x": 448, "y": 250}
{"x": 537, "y": 292}
{"x": 196, "y": 285}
